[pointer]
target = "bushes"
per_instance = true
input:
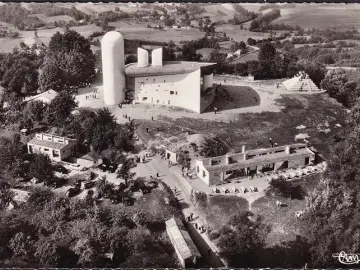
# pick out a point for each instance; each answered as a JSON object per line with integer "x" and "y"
{"x": 200, "y": 199}
{"x": 286, "y": 189}
{"x": 213, "y": 147}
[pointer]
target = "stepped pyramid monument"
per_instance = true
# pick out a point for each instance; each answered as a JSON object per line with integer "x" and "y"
{"x": 300, "y": 82}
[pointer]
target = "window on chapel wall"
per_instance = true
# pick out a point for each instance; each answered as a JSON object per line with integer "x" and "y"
{"x": 204, "y": 174}
{"x": 197, "y": 169}
{"x": 171, "y": 92}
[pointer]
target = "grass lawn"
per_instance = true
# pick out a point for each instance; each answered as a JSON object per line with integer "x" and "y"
{"x": 284, "y": 224}
{"x": 220, "y": 208}
{"x": 243, "y": 96}
{"x": 248, "y": 128}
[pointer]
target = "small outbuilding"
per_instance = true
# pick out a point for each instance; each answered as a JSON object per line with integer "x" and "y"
{"x": 184, "y": 247}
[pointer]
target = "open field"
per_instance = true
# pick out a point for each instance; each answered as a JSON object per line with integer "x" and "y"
{"x": 238, "y": 35}
{"x": 248, "y": 128}
{"x": 339, "y": 16}
{"x": 218, "y": 209}
{"x": 140, "y": 31}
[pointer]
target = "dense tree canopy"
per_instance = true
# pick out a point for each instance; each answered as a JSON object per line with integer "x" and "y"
{"x": 241, "y": 239}
{"x": 70, "y": 62}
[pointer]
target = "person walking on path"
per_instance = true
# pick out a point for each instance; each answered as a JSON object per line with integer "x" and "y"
{"x": 215, "y": 110}
{"x": 152, "y": 118}
{"x": 157, "y": 174}
{"x": 147, "y": 130}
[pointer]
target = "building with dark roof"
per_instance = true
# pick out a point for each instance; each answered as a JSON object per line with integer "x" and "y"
{"x": 218, "y": 170}
{"x": 184, "y": 246}
{"x": 56, "y": 147}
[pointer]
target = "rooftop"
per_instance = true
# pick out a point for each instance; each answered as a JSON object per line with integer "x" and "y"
{"x": 168, "y": 68}
{"x": 46, "y": 97}
{"x": 182, "y": 240}
{"x": 49, "y": 144}
{"x": 258, "y": 157}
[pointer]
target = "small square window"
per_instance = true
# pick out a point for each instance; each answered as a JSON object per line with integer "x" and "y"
{"x": 144, "y": 98}
{"x": 171, "y": 92}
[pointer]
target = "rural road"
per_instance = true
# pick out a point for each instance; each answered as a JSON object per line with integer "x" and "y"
{"x": 203, "y": 243}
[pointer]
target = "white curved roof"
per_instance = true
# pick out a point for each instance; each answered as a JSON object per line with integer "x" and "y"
{"x": 111, "y": 38}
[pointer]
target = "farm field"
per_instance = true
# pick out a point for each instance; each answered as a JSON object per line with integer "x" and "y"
{"x": 248, "y": 57}
{"x": 339, "y": 16}
{"x": 234, "y": 31}
{"x": 140, "y": 31}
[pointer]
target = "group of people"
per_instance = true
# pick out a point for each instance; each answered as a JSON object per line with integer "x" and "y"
{"x": 90, "y": 96}
{"x": 273, "y": 143}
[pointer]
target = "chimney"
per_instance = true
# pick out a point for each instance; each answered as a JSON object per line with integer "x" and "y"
{"x": 243, "y": 149}
{"x": 287, "y": 150}
{"x": 156, "y": 57}
{"x": 143, "y": 57}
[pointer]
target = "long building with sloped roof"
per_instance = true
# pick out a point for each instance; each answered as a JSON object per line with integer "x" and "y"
{"x": 185, "y": 248}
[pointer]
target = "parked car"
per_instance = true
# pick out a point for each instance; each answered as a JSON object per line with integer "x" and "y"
{"x": 87, "y": 184}
{"x": 61, "y": 169}
{"x": 103, "y": 167}
{"x": 115, "y": 199}
{"x": 126, "y": 201}
{"x": 72, "y": 192}
{"x": 152, "y": 184}
{"x": 35, "y": 180}
{"x": 112, "y": 167}
{"x": 77, "y": 184}
{"x": 58, "y": 182}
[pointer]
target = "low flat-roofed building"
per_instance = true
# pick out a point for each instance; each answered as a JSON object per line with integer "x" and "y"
{"x": 45, "y": 97}
{"x": 56, "y": 147}
{"x": 184, "y": 247}
{"x": 217, "y": 170}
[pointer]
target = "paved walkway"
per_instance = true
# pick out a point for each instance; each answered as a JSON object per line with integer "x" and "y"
{"x": 155, "y": 165}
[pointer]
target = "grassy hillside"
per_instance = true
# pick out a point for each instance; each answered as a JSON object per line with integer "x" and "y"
{"x": 339, "y": 16}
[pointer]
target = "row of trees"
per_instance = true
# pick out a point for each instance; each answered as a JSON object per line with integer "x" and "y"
{"x": 262, "y": 21}
{"x": 242, "y": 15}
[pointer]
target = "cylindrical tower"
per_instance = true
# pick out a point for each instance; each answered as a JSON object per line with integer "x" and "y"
{"x": 156, "y": 57}
{"x": 113, "y": 69}
{"x": 143, "y": 57}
